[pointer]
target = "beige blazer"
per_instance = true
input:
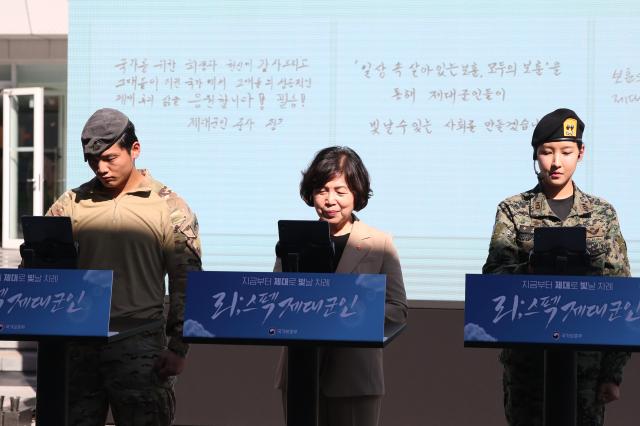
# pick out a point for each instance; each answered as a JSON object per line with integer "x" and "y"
{"x": 346, "y": 372}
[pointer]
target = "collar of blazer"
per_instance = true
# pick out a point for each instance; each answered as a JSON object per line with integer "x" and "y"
{"x": 358, "y": 246}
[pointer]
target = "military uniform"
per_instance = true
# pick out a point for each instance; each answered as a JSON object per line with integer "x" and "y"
{"x": 141, "y": 235}
{"x": 511, "y": 243}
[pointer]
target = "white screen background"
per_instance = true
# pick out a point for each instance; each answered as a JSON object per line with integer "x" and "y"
{"x": 232, "y": 99}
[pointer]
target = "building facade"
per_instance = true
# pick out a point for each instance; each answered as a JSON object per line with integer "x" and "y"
{"x": 33, "y": 80}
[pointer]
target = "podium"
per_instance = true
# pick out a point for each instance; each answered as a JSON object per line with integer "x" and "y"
{"x": 298, "y": 310}
{"x": 55, "y": 307}
{"x": 553, "y": 312}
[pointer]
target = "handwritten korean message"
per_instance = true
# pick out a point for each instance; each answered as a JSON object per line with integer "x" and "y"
{"x": 220, "y": 94}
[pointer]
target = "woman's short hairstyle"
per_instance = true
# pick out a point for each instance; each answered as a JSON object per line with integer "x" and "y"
{"x": 330, "y": 163}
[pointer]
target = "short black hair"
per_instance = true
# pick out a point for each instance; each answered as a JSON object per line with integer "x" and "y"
{"x": 330, "y": 163}
{"x": 128, "y": 137}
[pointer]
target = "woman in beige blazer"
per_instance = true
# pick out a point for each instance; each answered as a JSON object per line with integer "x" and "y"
{"x": 351, "y": 379}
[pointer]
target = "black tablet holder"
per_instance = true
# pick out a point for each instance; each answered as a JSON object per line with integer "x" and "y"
{"x": 304, "y": 246}
{"x": 48, "y": 243}
{"x": 560, "y": 251}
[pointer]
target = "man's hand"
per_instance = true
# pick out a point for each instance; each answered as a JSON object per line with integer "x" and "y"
{"x": 608, "y": 392}
{"x": 168, "y": 364}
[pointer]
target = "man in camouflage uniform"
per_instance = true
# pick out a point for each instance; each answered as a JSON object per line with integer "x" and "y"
{"x": 126, "y": 221}
{"x": 557, "y": 201}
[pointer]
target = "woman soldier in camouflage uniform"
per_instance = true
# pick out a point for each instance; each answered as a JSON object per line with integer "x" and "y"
{"x": 557, "y": 201}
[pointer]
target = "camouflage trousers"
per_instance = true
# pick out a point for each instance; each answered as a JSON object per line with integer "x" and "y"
{"x": 120, "y": 375}
{"x": 523, "y": 385}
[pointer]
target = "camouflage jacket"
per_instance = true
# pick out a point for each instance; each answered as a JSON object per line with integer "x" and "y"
{"x": 512, "y": 242}
{"x": 142, "y": 235}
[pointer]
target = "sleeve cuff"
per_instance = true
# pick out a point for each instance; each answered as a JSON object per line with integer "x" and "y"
{"x": 178, "y": 346}
{"x": 614, "y": 378}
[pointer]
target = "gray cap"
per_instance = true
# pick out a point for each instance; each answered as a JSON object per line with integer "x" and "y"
{"x": 104, "y": 128}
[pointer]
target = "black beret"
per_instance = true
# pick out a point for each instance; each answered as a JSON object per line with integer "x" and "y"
{"x": 104, "y": 128}
{"x": 560, "y": 125}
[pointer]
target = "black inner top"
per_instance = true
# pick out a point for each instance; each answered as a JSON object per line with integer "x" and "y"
{"x": 561, "y": 207}
{"x": 339, "y": 243}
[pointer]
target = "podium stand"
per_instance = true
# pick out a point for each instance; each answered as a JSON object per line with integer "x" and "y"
{"x": 559, "y": 313}
{"x": 303, "y": 374}
{"x": 54, "y": 307}
{"x": 298, "y": 310}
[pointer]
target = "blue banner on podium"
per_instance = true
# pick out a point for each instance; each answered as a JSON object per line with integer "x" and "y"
{"x": 285, "y": 306}
{"x": 501, "y": 310}
{"x": 54, "y": 302}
